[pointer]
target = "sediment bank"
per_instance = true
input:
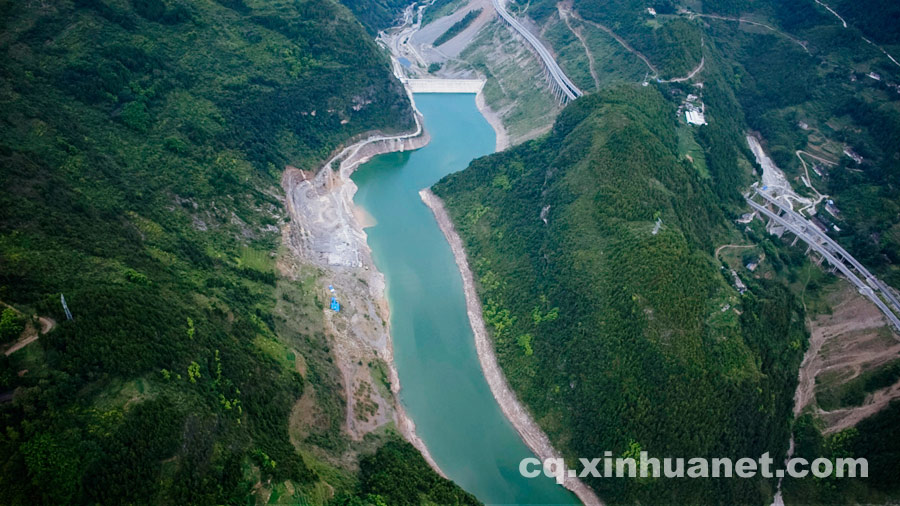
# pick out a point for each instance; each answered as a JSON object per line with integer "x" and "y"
{"x": 494, "y": 120}
{"x": 325, "y": 231}
{"x": 514, "y": 411}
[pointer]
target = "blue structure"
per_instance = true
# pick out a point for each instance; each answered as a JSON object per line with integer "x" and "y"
{"x": 335, "y": 305}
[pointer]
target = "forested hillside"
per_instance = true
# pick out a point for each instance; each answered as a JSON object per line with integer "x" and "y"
{"x": 672, "y": 43}
{"x": 876, "y": 438}
{"x": 376, "y": 15}
{"x": 818, "y": 93}
{"x": 141, "y": 146}
{"x": 835, "y": 92}
{"x": 798, "y": 65}
{"x": 820, "y": 99}
{"x": 619, "y": 331}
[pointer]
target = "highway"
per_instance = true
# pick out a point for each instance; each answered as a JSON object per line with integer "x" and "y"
{"x": 832, "y": 252}
{"x": 874, "y": 282}
{"x": 562, "y": 81}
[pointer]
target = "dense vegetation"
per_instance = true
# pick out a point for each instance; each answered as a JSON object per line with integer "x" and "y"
{"x": 619, "y": 338}
{"x": 818, "y": 98}
{"x": 376, "y": 15}
{"x": 141, "y": 145}
{"x": 673, "y": 44}
{"x": 876, "y": 438}
{"x": 11, "y": 325}
{"x": 878, "y": 19}
{"x": 802, "y": 83}
{"x": 399, "y": 475}
{"x": 457, "y": 27}
{"x": 779, "y": 84}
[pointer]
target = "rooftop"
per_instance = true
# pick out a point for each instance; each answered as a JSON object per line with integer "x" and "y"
{"x": 695, "y": 117}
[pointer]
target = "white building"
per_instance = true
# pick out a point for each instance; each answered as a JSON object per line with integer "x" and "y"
{"x": 695, "y": 117}
{"x": 852, "y": 154}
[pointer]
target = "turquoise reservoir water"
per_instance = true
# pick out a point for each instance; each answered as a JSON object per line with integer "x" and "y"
{"x": 444, "y": 390}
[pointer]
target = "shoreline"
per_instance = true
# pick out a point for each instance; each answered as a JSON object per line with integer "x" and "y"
{"x": 514, "y": 411}
{"x": 354, "y": 156}
{"x": 337, "y": 189}
{"x": 416, "y": 140}
{"x": 493, "y": 119}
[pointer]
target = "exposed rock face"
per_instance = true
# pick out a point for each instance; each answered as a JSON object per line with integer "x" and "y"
{"x": 324, "y": 228}
{"x": 326, "y": 231}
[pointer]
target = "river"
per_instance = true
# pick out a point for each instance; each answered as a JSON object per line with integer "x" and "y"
{"x": 444, "y": 390}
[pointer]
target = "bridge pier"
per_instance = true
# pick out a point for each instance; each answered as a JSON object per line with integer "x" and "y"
{"x": 828, "y": 250}
{"x": 567, "y": 88}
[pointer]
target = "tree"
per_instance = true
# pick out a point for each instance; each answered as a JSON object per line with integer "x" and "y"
{"x": 11, "y": 325}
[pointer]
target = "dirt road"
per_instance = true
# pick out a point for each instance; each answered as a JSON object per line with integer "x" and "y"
{"x": 735, "y": 246}
{"x": 564, "y": 14}
{"x": 30, "y": 334}
{"x": 850, "y": 340}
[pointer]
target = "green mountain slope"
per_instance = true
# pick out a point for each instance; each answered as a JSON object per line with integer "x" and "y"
{"x": 674, "y": 45}
{"x": 376, "y": 15}
{"x": 876, "y": 438}
{"x": 780, "y": 85}
{"x": 810, "y": 87}
{"x": 141, "y": 146}
{"x": 617, "y": 338}
{"x": 796, "y": 65}
{"x": 821, "y": 99}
